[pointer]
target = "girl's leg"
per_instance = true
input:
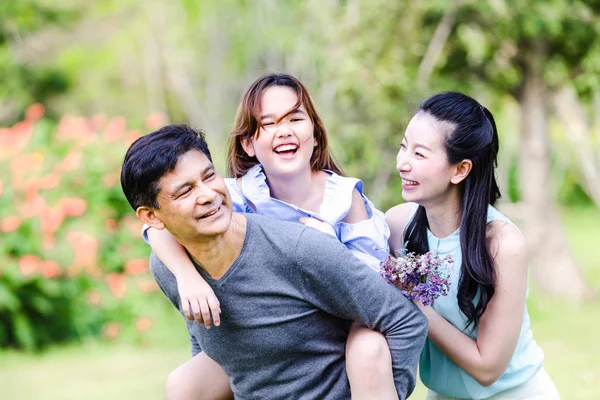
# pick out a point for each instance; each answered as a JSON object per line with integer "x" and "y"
{"x": 200, "y": 378}
{"x": 369, "y": 365}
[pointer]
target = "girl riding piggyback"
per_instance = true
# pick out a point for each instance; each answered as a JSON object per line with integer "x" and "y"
{"x": 281, "y": 167}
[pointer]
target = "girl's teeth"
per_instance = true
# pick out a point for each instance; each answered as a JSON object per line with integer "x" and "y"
{"x": 285, "y": 148}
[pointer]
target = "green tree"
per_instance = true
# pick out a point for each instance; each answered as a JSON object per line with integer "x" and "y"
{"x": 25, "y": 80}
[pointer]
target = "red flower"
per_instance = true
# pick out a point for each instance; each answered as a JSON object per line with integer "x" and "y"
{"x": 10, "y": 224}
{"x": 137, "y": 266}
{"x": 35, "y": 112}
{"x": 50, "y": 269}
{"x": 142, "y": 324}
{"x": 29, "y": 265}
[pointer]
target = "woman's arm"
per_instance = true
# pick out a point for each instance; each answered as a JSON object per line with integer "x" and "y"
{"x": 486, "y": 358}
{"x": 194, "y": 292}
{"x": 397, "y": 218}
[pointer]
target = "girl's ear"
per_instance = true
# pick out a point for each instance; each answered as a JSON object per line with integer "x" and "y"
{"x": 247, "y": 146}
{"x": 461, "y": 171}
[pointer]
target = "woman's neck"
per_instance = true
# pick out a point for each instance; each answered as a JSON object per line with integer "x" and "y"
{"x": 304, "y": 190}
{"x": 444, "y": 217}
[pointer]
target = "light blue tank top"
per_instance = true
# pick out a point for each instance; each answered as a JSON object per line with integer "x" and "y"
{"x": 442, "y": 375}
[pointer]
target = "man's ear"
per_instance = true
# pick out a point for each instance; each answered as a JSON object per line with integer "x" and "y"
{"x": 461, "y": 171}
{"x": 248, "y": 148}
{"x": 148, "y": 216}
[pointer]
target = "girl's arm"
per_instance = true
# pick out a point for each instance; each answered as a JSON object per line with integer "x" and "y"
{"x": 487, "y": 357}
{"x": 194, "y": 292}
{"x": 364, "y": 231}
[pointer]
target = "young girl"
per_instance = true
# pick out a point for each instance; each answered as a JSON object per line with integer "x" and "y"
{"x": 280, "y": 159}
{"x": 479, "y": 345}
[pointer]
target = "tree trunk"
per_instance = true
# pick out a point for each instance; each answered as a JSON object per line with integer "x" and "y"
{"x": 552, "y": 262}
{"x": 572, "y": 116}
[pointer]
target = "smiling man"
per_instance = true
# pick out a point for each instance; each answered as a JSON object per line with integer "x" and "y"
{"x": 287, "y": 292}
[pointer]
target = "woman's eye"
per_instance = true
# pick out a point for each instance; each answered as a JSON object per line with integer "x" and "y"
{"x": 209, "y": 176}
{"x": 419, "y": 155}
{"x": 402, "y": 146}
{"x": 268, "y": 124}
{"x": 297, "y": 119}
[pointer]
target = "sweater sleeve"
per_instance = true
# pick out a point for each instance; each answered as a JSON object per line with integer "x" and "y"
{"x": 168, "y": 285}
{"x": 339, "y": 284}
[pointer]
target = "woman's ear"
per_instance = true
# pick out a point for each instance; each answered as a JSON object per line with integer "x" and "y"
{"x": 148, "y": 216}
{"x": 461, "y": 171}
{"x": 247, "y": 146}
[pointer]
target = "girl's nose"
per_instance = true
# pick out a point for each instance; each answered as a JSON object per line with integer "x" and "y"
{"x": 283, "y": 130}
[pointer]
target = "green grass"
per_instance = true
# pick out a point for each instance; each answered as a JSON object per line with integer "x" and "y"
{"x": 89, "y": 372}
{"x": 566, "y": 332}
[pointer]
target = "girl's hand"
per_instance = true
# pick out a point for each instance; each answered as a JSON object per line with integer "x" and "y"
{"x": 198, "y": 301}
{"x": 319, "y": 225}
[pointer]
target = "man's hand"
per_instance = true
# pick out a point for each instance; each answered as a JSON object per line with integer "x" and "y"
{"x": 198, "y": 300}
{"x": 319, "y": 225}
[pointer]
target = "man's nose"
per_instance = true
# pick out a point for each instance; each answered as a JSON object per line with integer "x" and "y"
{"x": 204, "y": 194}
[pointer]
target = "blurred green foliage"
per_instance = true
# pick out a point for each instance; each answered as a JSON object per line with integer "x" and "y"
{"x": 73, "y": 264}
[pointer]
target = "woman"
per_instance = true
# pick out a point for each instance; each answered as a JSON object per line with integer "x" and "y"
{"x": 479, "y": 345}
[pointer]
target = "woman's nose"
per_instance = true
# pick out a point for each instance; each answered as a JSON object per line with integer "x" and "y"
{"x": 402, "y": 163}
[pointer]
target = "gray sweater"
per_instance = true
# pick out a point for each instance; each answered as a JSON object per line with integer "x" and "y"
{"x": 287, "y": 303}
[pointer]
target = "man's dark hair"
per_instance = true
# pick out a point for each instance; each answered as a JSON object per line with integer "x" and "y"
{"x": 153, "y": 156}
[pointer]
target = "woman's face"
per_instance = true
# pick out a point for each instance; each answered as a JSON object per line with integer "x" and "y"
{"x": 422, "y": 160}
{"x": 285, "y": 142}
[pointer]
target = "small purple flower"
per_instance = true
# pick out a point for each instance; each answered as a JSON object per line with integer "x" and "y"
{"x": 422, "y": 277}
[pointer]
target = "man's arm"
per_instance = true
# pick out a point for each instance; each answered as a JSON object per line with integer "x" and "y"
{"x": 168, "y": 285}
{"x": 338, "y": 283}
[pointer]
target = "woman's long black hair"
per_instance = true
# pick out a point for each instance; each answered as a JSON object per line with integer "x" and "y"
{"x": 475, "y": 138}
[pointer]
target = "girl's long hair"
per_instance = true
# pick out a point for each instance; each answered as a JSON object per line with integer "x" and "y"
{"x": 474, "y": 137}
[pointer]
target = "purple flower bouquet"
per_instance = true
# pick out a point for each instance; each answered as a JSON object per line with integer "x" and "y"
{"x": 422, "y": 277}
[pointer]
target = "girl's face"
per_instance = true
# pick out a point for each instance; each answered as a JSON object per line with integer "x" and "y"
{"x": 422, "y": 161}
{"x": 285, "y": 142}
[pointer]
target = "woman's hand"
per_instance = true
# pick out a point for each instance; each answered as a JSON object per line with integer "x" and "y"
{"x": 198, "y": 301}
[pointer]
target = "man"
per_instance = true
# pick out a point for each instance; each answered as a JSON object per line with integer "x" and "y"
{"x": 287, "y": 292}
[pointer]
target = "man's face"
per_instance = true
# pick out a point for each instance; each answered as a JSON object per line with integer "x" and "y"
{"x": 194, "y": 199}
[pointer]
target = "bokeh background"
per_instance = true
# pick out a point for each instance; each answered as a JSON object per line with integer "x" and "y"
{"x": 80, "y": 316}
